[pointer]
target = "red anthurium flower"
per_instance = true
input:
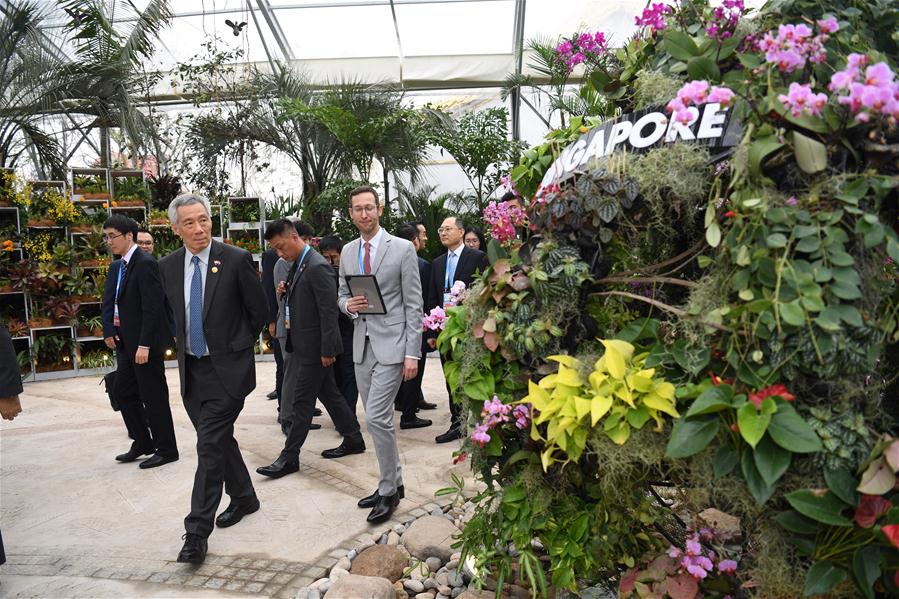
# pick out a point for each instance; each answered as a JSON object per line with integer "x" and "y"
{"x": 870, "y": 508}
{"x": 892, "y": 533}
{"x": 774, "y": 390}
{"x": 730, "y": 214}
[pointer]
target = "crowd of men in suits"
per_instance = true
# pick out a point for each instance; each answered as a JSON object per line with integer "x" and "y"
{"x": 329, "y": 345}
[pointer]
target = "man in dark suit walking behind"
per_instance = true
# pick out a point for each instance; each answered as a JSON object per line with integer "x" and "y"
{"x": 313, "y": 340}
{"x": 409, "y": 396}
{"x": 459, "y": 263}
{"x": 219, "y": 310}
{"x": 138, "y": 330}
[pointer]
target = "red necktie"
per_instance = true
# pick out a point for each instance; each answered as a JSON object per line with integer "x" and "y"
{"x": 366, "y": 260}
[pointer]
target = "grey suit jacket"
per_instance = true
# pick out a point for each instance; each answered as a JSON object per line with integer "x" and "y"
{"x": 397, "y": 333}
{"x": 282, "y": 267}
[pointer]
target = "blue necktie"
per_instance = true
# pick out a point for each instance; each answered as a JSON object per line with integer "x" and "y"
{"x": 197, "y": 341}
{"x": 450, "y": 270}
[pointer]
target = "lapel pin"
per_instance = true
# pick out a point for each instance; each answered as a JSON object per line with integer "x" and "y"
{"x": 216, "y": 265}
{"x": 215, "y": 269}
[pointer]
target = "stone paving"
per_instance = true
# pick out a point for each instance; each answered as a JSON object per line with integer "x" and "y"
{"x": 77, "y": 524}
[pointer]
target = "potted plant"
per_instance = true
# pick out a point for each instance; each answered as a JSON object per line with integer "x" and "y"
{"x": 164, "y": 189}
{"x": 90, "y": 326}
{"x": 129, "y": 191}
{"x": 98, "y": 281}
{"x": 40, "y": 317}
{"x": 6, "y": 285}
{"x": 17, "y": 327}
{"x": 91, "y": 187}
{"x": 158, "y": 218}
{"x": 64, "y": 311}
{"x": 53, "y": 352}
{"x": 46, "y": 279}
{"x": 20, "y": 274}
{"x": 91, "y": 250}
{"x": 98, "y": 358}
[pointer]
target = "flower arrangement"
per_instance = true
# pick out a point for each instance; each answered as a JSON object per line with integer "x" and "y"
{"x": 581, "y": 48}
{"x": 504, "y": 219}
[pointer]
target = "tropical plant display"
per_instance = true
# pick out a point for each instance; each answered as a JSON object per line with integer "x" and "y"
{"x": 679, "y": 372}
{"x": 132, "y": 190}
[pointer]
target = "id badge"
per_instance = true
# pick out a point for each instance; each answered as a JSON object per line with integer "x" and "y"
{"x": 115, "y": 316}
{"x": 448, "y": 300}
{"x": 287, "y": 317}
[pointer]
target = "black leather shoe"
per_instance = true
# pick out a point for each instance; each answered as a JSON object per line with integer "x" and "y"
{"x": 316, "y": 412}
{"x": 194, "y": 550}
{"x": 133, "y": 454}
{"x": 273, "y": 395}
{"x": 426, "y": 405}
{"x": 314, "y": 426}
{"x": 415, "y": 422}
{"x": 344, "y": 449}
{"x": 235, "y": 513}
{"x": 451, "y": 435}
{"x": 383, "y": 508}
{"x": 372, "y": 499}
{"x": 157, "y": 460}
{"x": 280, "y": 467}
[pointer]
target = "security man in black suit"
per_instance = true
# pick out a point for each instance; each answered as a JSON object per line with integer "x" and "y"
{"x": 219, "y": 310}
{"x": 410, "y": 396}
{"x": 313, "y": 340}
{"x": 459, "y": 263}
{"x": 139, "y": 331}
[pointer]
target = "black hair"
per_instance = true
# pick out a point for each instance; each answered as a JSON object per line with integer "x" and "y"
{"x": 303, "y": 228}
{"x": 277, "y": 228}
{"x": 407, "y": 231}
{"x": 509, "y": 195}
{"x": 123, "y": 224}
{"x": 480, "y": 235}
{"x": 330, "y": 242}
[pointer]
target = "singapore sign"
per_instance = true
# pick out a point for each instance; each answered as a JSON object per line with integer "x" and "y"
{"x": 709, "y": 124}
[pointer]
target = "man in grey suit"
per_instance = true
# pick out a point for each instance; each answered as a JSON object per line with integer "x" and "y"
{"x": 313, "y": 343}
{"x": 386, "y": 348}
{"x": 219, "y": 309}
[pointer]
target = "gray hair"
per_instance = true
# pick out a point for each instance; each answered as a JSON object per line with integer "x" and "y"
{"x": 187, "y": 199}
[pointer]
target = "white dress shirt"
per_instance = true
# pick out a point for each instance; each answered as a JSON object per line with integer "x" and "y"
{"x": 188, "y": 277}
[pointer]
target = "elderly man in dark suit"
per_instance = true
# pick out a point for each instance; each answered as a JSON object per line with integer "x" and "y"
{"x": 459, "y": 263}
{"x": 313, "y": 340}
{"x": 138, "y": 329}
{"x": 219, "y": 310}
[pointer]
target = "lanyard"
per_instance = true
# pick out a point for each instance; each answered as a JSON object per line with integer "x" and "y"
{"x": 115, "y": 316}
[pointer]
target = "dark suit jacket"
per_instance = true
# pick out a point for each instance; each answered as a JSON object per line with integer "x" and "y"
{"x": 143, "y": 312}
{"x": 469, "y": 262}
{"x": 234, "y": 312}
{"x": 269, "y": 259}
{"x": 314, "y": 331}
{"x": 424, "y": 271}
{"x": 10, "y": 379}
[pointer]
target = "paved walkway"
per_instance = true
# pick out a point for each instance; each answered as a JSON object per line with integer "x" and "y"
{"x": 78, "y": 524}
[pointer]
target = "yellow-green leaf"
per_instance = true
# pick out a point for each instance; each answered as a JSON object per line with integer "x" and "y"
{"x": 584, "y": 405}
{"x": 655, "y": 402}
{"x": 620, "y": 433}
{"x": 665, "y": 390}
{"x": 622, "y": 347}
{"x": 640, "y": 382}
{"x": 568, "y": 376}
{"x": 599, "y": 406}
{"x": 566, "y": 360}
{"x": 614, "y": 362}
{"x": 537, "y": 396}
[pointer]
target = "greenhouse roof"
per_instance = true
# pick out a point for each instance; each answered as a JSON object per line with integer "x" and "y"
{"x": 421, "y": 44}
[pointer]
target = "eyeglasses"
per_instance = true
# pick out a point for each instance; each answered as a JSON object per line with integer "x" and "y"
{"x": 448, "y": 229}
{"x": 361, "y": 209}
{"x": 108, "y": 238}
{"x": 144, "y": 243}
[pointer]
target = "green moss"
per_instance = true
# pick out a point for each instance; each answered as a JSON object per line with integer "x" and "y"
{"x": 652, "y": 89}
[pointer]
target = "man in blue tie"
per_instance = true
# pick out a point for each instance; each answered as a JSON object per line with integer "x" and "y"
{"x": 459, "y": 263}
{"x": 219, "y": 309}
